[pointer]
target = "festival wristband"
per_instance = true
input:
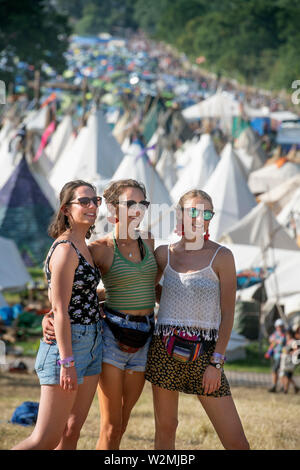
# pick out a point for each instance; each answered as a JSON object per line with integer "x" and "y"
{"x": 61, "y": 362}
{"x": 218, "y": 357}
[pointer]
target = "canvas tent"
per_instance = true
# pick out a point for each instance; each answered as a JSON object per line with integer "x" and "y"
{"x": 94, "y": 154}
{"x": 25, "y": 214}
{"x": 229, "y": 191}
{"x": 202, "y": 163}
{"x": 260, "y": 228}
{"x": 266, "y": 178}
{"x": 136, "y": 165}
{"x": 279, "y": 197}
{"x": 221, "y": 104}
{"x": 282, "y": 286}
{"x": 59, "y": 139}
{"x": 13, "y": 273}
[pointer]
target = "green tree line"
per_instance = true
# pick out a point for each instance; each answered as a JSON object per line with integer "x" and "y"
{"x": 253, "y": 41}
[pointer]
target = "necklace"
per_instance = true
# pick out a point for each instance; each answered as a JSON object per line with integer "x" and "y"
{"x": 125, "y": 245}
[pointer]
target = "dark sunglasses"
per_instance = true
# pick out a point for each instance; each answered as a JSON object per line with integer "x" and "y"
{"x": 131, "y": 203}
{"x": 85, "y": 201}
{"x": 193, "y": 212}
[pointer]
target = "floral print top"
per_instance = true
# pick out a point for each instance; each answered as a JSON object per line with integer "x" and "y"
{"x": 84, "y": 303}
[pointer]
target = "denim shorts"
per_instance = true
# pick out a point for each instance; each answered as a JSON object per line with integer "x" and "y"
{"x": 113, "y": 355}
{"x": 87, "y": 352}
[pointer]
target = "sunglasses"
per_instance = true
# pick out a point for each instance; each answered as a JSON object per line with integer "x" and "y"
{"x": 85, "y": 201}
{"x": 130, "y": 203}
{"x": 193, "y": 212}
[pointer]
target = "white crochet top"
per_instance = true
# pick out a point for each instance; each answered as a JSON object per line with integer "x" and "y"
{"x": 190, "y": 301}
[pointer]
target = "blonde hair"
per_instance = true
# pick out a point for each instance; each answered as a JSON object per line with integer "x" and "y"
{"x": 194, "y": 193}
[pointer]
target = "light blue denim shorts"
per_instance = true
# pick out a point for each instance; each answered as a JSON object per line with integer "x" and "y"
{"x": 87, "y": 352}
{"x": 113, "y": 355}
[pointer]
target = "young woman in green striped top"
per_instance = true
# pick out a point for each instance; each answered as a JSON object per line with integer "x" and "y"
{"x": 128, "y": 269}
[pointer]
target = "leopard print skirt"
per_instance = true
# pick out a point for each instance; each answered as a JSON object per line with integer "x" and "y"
{"x": 167, "y": 372}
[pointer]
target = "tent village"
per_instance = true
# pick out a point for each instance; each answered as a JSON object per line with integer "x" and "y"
{"x": 118, "y": 112}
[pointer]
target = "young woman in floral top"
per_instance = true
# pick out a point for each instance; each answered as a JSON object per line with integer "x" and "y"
{"x": 68, "y": 367}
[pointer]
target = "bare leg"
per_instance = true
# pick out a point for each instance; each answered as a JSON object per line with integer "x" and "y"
{"x": 132, "y": 388}
{"x": 118, "y": 392}
{"x": 79, "y": 412}
{"x": 110, "y": 402}
{"x": 225, "y": 419}
{"x": 165, "y": 404}
{"x": 54, "y": 409}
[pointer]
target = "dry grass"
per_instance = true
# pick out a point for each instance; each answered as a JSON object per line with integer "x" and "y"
{"x": 271, "y": 421}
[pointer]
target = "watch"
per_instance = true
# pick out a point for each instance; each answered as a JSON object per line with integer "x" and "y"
{"x": 217, "y": 365}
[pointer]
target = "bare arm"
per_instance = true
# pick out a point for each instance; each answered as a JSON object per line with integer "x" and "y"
{"x": 63, "y": 264}
{"x": 227, "y": 275}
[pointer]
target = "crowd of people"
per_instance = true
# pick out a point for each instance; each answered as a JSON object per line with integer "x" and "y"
{"x": 284, "y": 351}
{"x": 116, "y": 345}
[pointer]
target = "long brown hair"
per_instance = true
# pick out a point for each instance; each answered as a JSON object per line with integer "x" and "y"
{"x": 60, "y": 222}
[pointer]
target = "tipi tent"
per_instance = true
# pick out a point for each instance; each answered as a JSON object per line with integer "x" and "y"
{"x": 136, "y": 165}
{"x": 59, "y": 139}
{"x": 25, "y": 214}
{"x": 202, "y": 163}
{"x": 229, "y": 191}
{"x": 280, "y": 196}
{"x": 94, "y": 154}
{"x": 221, "y": 104}
{"x": 260, "y": 227}
{"x": 13, "y": 273}
{"x": 266, "y": 178}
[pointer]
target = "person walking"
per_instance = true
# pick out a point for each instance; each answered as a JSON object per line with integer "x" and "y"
{"x": 69, "y": 366}
{"x": 277, "y": 341}
{"x": 194, "y": 323}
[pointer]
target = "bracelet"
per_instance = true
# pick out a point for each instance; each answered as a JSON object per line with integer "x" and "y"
{"x": 61, "y": 362}
{"x": 219, "y": 356}
{"x": 67, "y": 365}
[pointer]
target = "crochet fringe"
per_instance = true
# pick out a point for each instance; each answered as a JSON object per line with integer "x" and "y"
{"x": 208, "y": 334}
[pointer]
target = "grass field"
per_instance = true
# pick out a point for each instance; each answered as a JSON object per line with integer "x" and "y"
{"x": 271, "y": 421}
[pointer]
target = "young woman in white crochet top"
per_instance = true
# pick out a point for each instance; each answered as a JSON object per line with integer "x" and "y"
{"x": 193, "y": 328}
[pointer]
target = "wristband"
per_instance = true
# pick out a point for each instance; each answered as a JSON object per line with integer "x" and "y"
{"x": 219, "y": 356}
{"x": 61, "y": 362}
{"x": 67, "y": 365}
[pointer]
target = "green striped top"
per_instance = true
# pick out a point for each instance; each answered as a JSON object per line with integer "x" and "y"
{"x": 129, "y": 285}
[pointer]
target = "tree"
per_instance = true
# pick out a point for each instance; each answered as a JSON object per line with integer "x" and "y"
{"x": 32, "y": 31}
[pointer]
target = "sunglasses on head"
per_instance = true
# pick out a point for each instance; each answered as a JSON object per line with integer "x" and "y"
{"x": 85, "y": 201}
{"x": 131, "y": 203}
{"x": 193, "y": 212}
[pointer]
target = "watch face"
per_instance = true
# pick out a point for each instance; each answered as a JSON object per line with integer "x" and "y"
{"x": 218, "y": 366}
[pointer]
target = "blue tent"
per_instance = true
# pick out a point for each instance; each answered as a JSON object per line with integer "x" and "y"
{"x": 25, "y": 214}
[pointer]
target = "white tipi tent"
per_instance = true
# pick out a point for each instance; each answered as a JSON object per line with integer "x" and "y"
{"x": 59, "y": 139}
{"x": 166, "y": 168}
{"x": 260, "y": 227}
{"x": 266, "y": 178}
{"x": 94, "y": 154}
{"x": 13, "y": 272}
{"x": 136, "y": 165}
{"x": 203, "y": 161}
{"x": 280, "y": 196}
{"x": 229, "y": 191}
{"x": 221, "y": 104}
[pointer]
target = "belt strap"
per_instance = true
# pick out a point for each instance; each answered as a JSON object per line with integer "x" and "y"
{"x": 137, "y": 318}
